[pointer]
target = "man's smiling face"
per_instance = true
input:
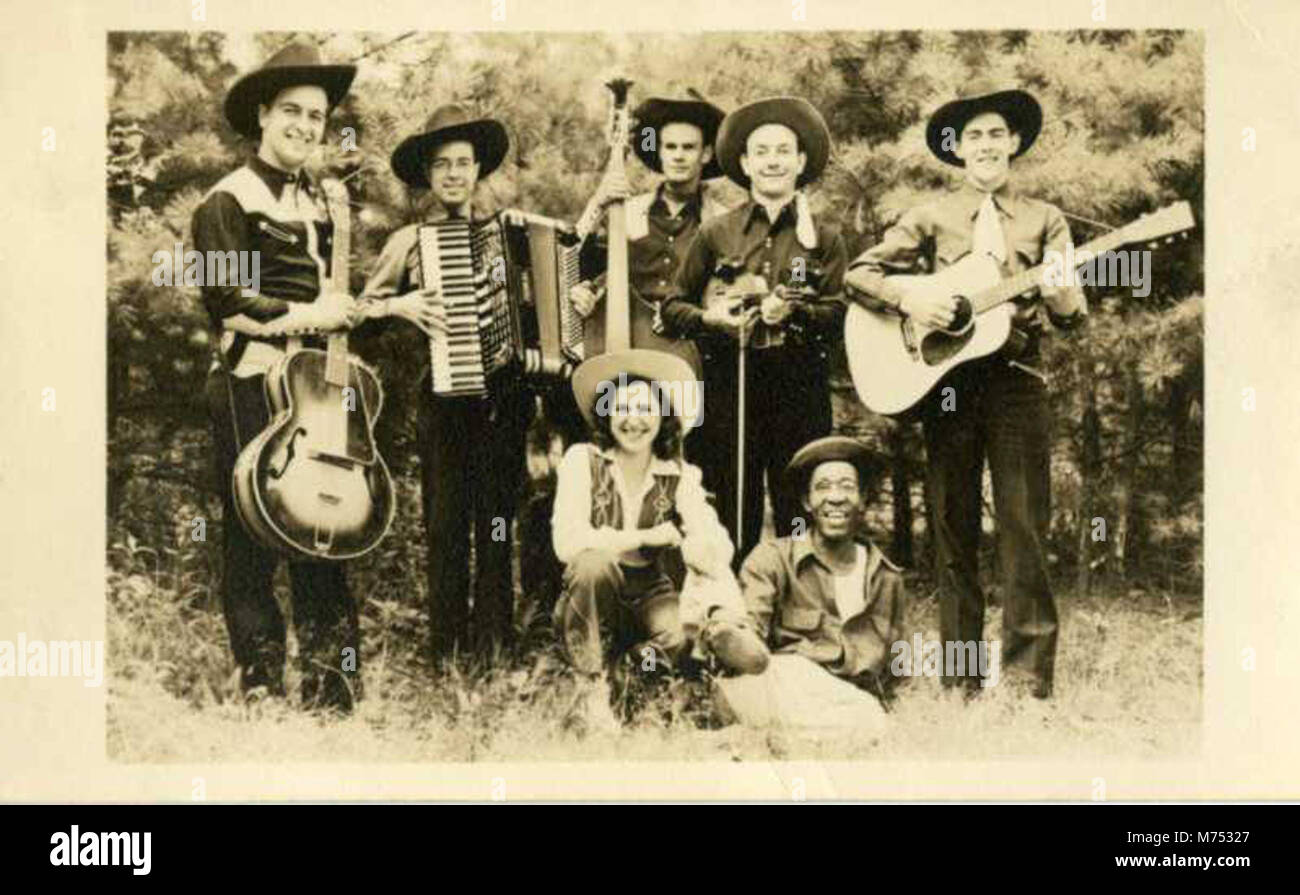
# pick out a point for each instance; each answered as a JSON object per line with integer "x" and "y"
{"x": 986, "y": 145}
{"x": 453, "y": 172}
{"x": 682, "y": 152}
{"x": 292, "y": 125}
{"x": 834, "y": 499}
{"x": 772, "y": 160}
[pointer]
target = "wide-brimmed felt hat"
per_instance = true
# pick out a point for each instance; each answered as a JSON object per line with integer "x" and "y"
{"x": 293, "y": 65}
{"x": 447, "y": 123}
{"x": 1022, "y": 112}
{"x": 832, "y": 448}
{"x": 797, "y": 114}
{"x": 658, "y": 111}
{"x": 602, "y": 372}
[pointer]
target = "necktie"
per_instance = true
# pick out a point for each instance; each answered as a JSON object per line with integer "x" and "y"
{"x": 988, "y": 238}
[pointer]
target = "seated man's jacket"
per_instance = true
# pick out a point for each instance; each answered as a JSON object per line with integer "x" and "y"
{"x": 791, "y": 594}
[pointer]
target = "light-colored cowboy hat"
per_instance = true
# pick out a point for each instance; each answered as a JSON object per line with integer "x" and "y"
{"x": 447, "y": 123}
{"x": 598, "y": 374}
{"x": 1022, "y": 112}
{"x": 658, "y": 111}
{"x": 293, "y": 65}
{"x": 797, "y": 114}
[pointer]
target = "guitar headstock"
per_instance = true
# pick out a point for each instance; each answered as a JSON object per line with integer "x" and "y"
{"x": 1169, "y": 220}
{"x": 620, "y": 126}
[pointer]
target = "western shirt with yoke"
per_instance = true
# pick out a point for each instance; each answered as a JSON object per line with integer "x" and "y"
{"x": 746, "y": 240}
{"x": 282, "y": 217}
{"x": 936, "y": 234}
{"x": 657, "y": 240}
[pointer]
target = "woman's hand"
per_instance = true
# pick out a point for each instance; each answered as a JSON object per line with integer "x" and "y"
{"x": 663, "y": 535}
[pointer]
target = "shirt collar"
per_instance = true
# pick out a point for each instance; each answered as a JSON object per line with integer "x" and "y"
{"x": 691, "y": 208}
{"x": 276, "y": 180}
{"x": 658, "y": 466}
{"x": 802, "y": 550}
{"x": 784, "y": 217}
{"x": 972, "y": 198}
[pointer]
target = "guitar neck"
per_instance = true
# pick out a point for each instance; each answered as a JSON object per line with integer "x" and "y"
{"x": 336, "y": 353}
{"x": 618, "y": 312}
{"x": 1031, "y": 278}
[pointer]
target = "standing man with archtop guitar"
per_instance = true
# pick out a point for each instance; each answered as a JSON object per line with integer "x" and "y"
{"x": 994, "y": 407}
{"x": 270, "y": 206}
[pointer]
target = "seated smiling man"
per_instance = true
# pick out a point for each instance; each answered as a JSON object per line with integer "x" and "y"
{"x": 826, "y": 600}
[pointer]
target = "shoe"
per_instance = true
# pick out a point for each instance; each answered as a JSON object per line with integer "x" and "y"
{"x": 737, "y": 648}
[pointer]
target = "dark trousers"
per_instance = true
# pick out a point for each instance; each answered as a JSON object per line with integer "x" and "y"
{"x": 608, "y": 608}
{"x": 471, "y": 469}
{"x": 324, "y": 615}
{"x": 787, "y": 404}
{"x": 1000, "y": 414}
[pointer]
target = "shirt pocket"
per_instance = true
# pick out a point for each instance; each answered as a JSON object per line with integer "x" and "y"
{"x": 1027, "y": 250}
{"x": 949, "y": 248}
{"x": 803, "y": 619}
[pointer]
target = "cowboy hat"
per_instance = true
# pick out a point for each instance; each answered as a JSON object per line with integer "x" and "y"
{"x": 293, "y": 65}
{"x": 797, "y": 114}
{"x": 1022, "y": 112}
{"x": 829, "y": 449}
{"x": 658, "y": 111}
{"x": 597, "y": 375}
{"x": 448, "y": 123}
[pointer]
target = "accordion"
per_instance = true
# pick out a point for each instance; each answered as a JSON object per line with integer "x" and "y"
{"x": 504, "y": 283}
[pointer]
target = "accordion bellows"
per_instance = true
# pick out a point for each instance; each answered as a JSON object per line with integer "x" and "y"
{"x": 504, "y": 282}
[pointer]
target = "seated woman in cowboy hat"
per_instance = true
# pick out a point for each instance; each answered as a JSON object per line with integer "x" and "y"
{"x": 626, "y": 507}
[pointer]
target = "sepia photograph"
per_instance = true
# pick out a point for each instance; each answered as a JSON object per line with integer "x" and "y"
{"x": 700, "y": 396}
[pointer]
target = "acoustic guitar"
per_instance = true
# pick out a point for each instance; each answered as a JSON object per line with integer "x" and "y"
{"x": 312, "y": 484}
{"x": 896, "y": 361}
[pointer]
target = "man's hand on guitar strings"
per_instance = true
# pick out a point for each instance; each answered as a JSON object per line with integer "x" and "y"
{"x": 936, "y": 310}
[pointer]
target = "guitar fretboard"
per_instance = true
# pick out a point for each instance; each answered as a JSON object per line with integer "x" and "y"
{"x": 1029, "y": 279}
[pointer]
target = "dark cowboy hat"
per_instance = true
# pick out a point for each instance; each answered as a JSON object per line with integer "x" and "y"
{"x": 834, "y": 447}
{"x": 292, "y": 66}
{"x": 634, "y": 363}
{"x": 1022, "y": 112}
{"x": 797, "y": 114}
{"x": 450, "y": 122}
{"x": 658, "y": 111}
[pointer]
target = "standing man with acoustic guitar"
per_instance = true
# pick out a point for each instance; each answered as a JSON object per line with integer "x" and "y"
{"x": 997, "y": 406}
{"x": 471, "y": 448}
{"x": 791, "y": 268}
{"x": 272, "y": 208}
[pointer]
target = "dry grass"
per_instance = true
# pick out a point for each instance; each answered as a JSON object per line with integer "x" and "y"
{"x": 1128, "y": 678}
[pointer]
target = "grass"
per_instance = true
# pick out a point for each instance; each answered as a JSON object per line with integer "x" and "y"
{"x": 1128, "y": 685}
